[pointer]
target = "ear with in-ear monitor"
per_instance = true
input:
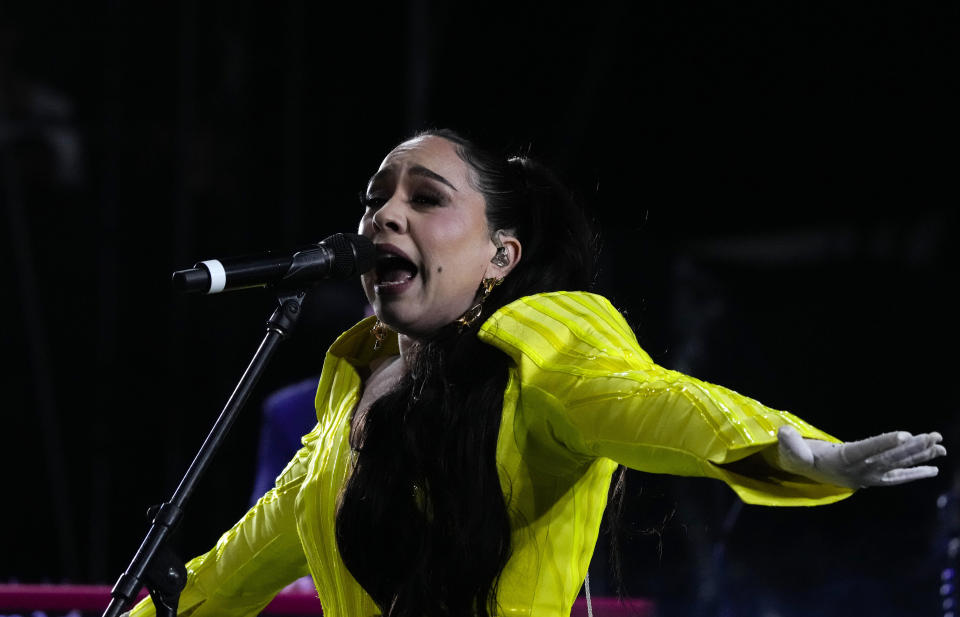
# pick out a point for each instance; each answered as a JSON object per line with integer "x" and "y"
{"x": 501, "y": 258}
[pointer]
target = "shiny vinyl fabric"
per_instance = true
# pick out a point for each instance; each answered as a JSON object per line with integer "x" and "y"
{"x": 582, "y": 396}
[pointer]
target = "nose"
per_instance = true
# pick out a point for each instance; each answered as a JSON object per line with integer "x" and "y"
{"x": 390, "y": 216}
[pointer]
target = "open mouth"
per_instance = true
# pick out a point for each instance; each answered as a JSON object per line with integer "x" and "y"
{"x": 393, "y": 271}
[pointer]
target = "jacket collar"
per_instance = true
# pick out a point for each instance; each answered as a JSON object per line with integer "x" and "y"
{"x": 356, "y": 344}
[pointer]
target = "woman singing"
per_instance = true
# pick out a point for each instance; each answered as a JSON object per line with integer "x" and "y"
{"x": 468, "y": 432}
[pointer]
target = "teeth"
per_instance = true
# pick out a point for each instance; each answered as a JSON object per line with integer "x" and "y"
{"x": 391, "y": 283}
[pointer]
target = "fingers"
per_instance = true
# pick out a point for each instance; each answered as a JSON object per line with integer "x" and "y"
{"x": 855, "y": 451}
{"x": 883, "y": 460}
{"x": 898, "y": 463}
{"x": 923, "y": 451}
{"x": 901, "y": 476}
{"x": 922, "y": 456}
{"x": 915, "y": 449}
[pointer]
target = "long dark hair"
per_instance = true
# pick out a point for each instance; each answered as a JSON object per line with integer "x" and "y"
{"x": 423, "y": 523}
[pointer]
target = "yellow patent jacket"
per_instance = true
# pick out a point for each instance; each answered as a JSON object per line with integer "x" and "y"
{"x": 582, "y": 396}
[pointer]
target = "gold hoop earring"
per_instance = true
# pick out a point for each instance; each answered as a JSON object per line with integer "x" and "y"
{"x": 379, "y": 332}
{"x": 473, "y": 313}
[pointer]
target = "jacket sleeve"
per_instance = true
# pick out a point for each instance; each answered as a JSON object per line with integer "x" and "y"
{"x": 252, "y": 561}
{"x": 598, "y": 394}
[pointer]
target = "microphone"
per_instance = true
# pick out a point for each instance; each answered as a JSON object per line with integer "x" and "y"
{"x": 340, "y": 256}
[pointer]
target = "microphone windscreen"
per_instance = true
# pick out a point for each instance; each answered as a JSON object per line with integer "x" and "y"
{"x": 365, "y": 252}
{"x": 353, "y": 254}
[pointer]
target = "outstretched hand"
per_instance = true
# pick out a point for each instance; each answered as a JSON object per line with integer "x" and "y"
{"x": 882, "y": 460}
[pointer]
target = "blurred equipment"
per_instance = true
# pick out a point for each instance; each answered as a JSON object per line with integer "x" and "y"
{"x": 948, "y": 543}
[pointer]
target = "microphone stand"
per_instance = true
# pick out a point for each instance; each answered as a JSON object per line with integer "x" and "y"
{"x": 154, "y": 564}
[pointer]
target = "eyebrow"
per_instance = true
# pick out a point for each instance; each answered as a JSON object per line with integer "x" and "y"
{"x": 420, "y": 170}
{"x": 416, "y": 170}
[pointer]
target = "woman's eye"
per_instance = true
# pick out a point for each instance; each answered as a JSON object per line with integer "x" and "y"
{"x": 420, "y": 198}
{"x": 423, "y": 198}
{"x": 371, "y": 201}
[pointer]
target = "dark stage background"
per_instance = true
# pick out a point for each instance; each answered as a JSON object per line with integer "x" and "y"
{"x": 775, "y": 183}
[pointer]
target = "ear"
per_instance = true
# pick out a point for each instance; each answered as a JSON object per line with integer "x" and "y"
{"x": 512, "y": 250}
